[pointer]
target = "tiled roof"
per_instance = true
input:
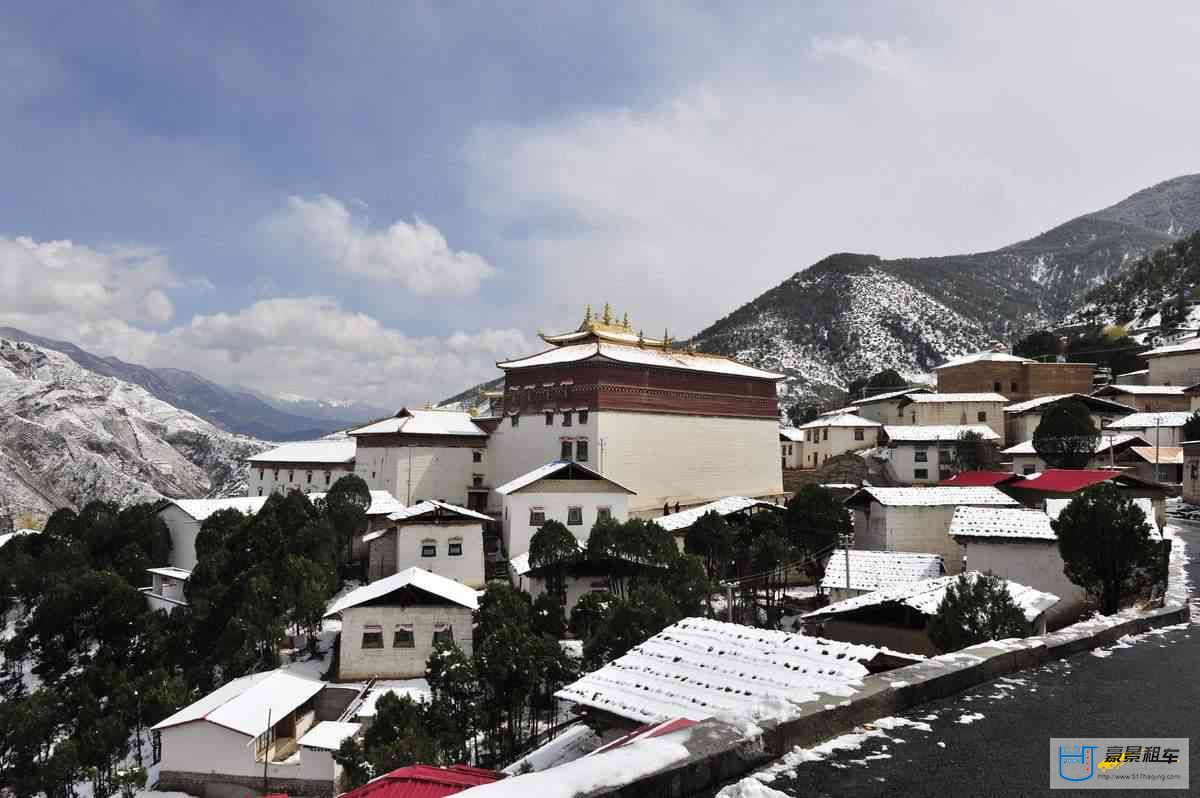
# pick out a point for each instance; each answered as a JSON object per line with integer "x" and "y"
{"x": 997, "y": 522}
{"x": 673, "y": 359}
{"x": 698, "y": 668}
{"x": 432, "y": 506}
{"x": 920, "y": 433}
{"x": 935, "y": 496}
{"x": 840, "y": 420}
{"x": 548, "y": 470}
{"x": 335, "y": 451}
{"x": 243, "y": 704}
{"x": 977, "y": 479}
{"x": 1175, "y": 418}
{"x": 873, "y": 570}
{"x": 984, "y": 357}
{"x": 946, "y": 398}
{"x": 425, "y": 422}
{"x": 726, "y": 506}
{"x": 1090, "y": 401}
{"x": 926, "y": 596}
{"x": 1104, "y": 443}
{"x": 418, "y": 578}
{"x": 1064, "y": 480}
{"x": 201, "y": 509}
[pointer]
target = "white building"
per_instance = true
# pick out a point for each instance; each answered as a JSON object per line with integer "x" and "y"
{"x": 868, "y": 571}
{"x": 167, "y": 589}
{"x": 1174, "y": 364}
{"x": 949, "y": 409}
{"x": 1019, "y": 545}
{"x": 791, "y": 447}
{"x": 425, "y": 454}
{"x": 1021, "y": 419}
{"x": 1154, "y": 397}
{"x": 382, "y": 505}
{"x": 829, "y": 436}
{"x": 885, "y": 407}
{"x": 306, "y": 466}
{"x": 679, "y": 523}
{"x": 582, "y": 577}
{"x": 245, "y": 729}
{"x": 1156, "y": 429}
{"x": 1111, "y": 447}
{"x": 184, "y": 517}
{"x": 563, "y": 491}
{"x": 916, "y": 519}
{"x": 438, "y": 537}
{"x": 390, "y": 627}
{"x": 928, "y": 454}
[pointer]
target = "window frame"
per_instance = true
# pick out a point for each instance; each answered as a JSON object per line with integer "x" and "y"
{"x": 920, "y": 454}
{"x": 549, "y": 417}
{"x": 426, "y": 545}
{"x": 604, "y": 513}
{"x": 399, "y": 629}
{"x": 451, "y": 544}
{"x": 534, "y": 513}
{"x": 566, "y": 450}
{"x": 575, "y": 512}
{"x": 920, "y": 473}
{"x": 860, "y": 434}
{"x": 567, "y": 419}
{"x": 581, "y": 451}
{"x": 443, "y": 629}
{"x": 583, "y": 416}
{"x": 372, "y": 631}
{"x": 515, "y": 419}
{"x": 981, "y": 416}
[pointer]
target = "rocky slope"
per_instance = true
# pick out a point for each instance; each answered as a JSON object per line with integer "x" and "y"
{"x": 69, "y": 435}
{"x": 851, "y": 315}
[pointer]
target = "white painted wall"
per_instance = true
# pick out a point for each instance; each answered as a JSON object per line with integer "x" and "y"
{"x": 1036, "y": 564}
{"x": 397, "y": 663}
{"x": 928, "y": 414}
{"x": 183, "y": 529}
{"x": 1181, "y": 369}
{"x": 1021, "y": 428}
{"x": 533, "y": 443}
{"x": 467, "y": 568}
{"x": 1167, "y": 436}
{"x": 903, "y": 459}
{"x": 887, "y": 412}
{"x": 822, "y": 443}
{"x": 265, "y": 480}
{"x": 414, "y": 473}
{"x": 203, "y": 747}
{"x": 556, "y": 497}
{"x": 916, "y": 529}
{"x": 791, "y": 454}
{"x": 577, "y": 587}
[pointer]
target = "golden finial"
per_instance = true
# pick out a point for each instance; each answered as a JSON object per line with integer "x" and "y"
{"x": 641, "y": 338}
{"x": 666, "y": 339}
{"x": 587, "y": 314}
{"x": 625, "y": 321}
{"x": 607, "y": 318}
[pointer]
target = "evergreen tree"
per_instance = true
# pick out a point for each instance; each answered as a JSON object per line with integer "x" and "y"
{"x": 548, "y": 620}
{"x": 1191, "y": 428}
{"x": 346, "y": 505}
{"x": 1040, "y": 345}
{"x": 711, "y": 539}
{"x": 816, "y": 520}
{"x": 1066, "y": 437}
{"x": 976, "y": 608}
{"x": 589, "y": 613}
{"x": 973, "y": 453}
{"x": 552, "y": 551}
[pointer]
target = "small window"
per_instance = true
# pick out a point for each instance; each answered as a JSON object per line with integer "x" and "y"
{"x": 428, "y": 548}
{"x": 858, "y": 433}
{"x": 565, "y": 454}
{"x": 276, "y": 474}
{"x": 574, "y": 516}
{"x": 477, "y": 480}
{"x": 328, "y": 477}
{"x": 515, "y": 419}
{"x": 443, "y": 633}
{"x": 981, "y": 415}
{"x": 260, "y": 474}
{"x": 583, "y": 414}
{"x": 920, "y": 473}
{"x": 291, "y": 476}
{"x": 454, "y": 547}
{"x": 825, "y": 436}
{"x": 920, "y": 456}
{"x": 995, "y": 387}
{"x": 605, "y": 513}
{"x": 581, "y": 451}
{"x": 566, "y": 418}
{"x": 1194, "y": 468}
{"x": 1014, "y": 388}
{"x": 537, "y": 516}
{"x": 476, "y": 457}
{"x": 549, "y": 418}
{"x": 372, "y": 637}
{"x": 1028, "y": 469}
{"x": 945, "y": 456}
{"x": 403, "y": 636}
{"x": 260, "y": 491}
{"x": 308, "y": 478}
{"x": 372, "y": 475}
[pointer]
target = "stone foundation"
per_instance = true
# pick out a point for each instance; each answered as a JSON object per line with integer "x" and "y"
{"x": 221, "y": 785}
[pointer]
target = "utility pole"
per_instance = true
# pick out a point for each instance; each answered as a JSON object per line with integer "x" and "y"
{"x": 729, "y": 600}
{"x": 846, "y": 553}
{"x": 267, "y": 755}
{"x": 1157, "y": 428}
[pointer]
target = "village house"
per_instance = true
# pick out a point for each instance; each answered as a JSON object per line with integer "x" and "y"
{"x": 954, "y": 409}
{"x": 853, "y": 572}
{"x": 926, "y": 455}
{"x": 1148, "y": 398}
{"x": 1021, "y": 419}
{"x": 1019, "y": 545}
{"x": 700, "y": 668}
{"x": 1191, "y": 472}
{"x": 306, "y": 466}
{"x": 1174, "y": 364}
{"x": 583, "y": 576}
{"x": 829, "y": 436}
{"x": 438, "y": 537}
{"x": 671, "y": 423}
{"x": 1162, "y": 464}
{"x": 426, "y": 454}
{"x": 167, "y": 589}
{"x": 564, "y": 491}
{"x": 916, "y": 519}
{"x": 390, "y": 627}
{"x": 899, "y": 618}
{"x": 1156, "y": 429}
{"x": 184, "y": 517}
{"x": 885, "y": 407}
{"x": 1017, "y": 378}
{"x": 1044, "y": 489}
{"x": 248, "y": 730}
{"x": 1139, "y": 377}
{"x": 730, "y": 507}
{"x": 791, "y": 447}
{"x": 1109, "y": 449}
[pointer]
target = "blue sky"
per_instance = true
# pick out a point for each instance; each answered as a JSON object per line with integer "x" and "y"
{"x": 378, "y": 201}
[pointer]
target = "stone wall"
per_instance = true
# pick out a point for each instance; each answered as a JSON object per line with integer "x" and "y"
{"x": 217, "y": 785}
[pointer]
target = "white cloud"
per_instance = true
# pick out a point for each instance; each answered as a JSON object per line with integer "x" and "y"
{"x": 894, "y": 59}
{"x": 321, "y": 230}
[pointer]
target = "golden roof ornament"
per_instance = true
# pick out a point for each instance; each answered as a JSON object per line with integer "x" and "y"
{"x": 625, "y": 322}
{"x": 607, "y": 317}
{"x": 641, "y": 338}
{"x": 587, "y": 314}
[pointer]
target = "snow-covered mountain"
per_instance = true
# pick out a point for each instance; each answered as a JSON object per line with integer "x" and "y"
{"x": 69, "y": 435}
{"x": 340, "y": 412}
{"x": 851, "y": 315}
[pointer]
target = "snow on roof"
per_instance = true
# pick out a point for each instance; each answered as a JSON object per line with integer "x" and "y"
{"x": 418, "y": 578}
{"x": 1104, "y": 443}
{"x": 1141, "y": 390}
{"x": 791, "y": 433}
{"x": 7, "y": 536}
{"x": 1165, "y": 455}
{"x": 201, "y": 509}
{"x": 883, "y": 397}
{"x": 947, "y": 398}
{"x": 722, "y": 507}
{"x": 1191, "y": 345}
{"x": 1054, "y": 508}
{"x": 918, "y": 433}
{"x": 1175, "y": 418}
{"x": 382, "y": 502}
{"x": 1033, "y": 404}
{"x": 520, "y": 564}
{"x": 171, "y": 572}
{"x": 840, "y": 420}
{"x": 698, "y": 668}
{"x": 432, "y": 506}
{"x": 839, "y": 411}
{"x": 998, "y": 522}
{"x": 424, "y": 422}
{"x": 328, "y": 734}
{"x": 424, "y": 781}
{"x": 873, "y": 570}
{"x": 938, "y": 496}
{"x": 977, "y": 479}
{"x": 549, "y": 469}
{"x": 984, "y": 357}
{"x": 243, "y": 704}
{"x": 673, "y": 359}
{"x": 926, "y": 596}
{"x": 327, "y": 450}
{"x": 416, "y": 689}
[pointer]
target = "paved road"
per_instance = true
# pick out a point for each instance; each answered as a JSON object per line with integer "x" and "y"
{"x": 1150, "y": 688}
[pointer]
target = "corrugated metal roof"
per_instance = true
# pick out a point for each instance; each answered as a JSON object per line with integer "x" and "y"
{"x": 1148, "y": 421}
{"x": 840, "y": 420}
{"x": 1065, "y": 480}
{"x": 726, "y": 506}
{"x": 201, "y": 509}
{"x": 424, "y": 781}
{"x": 926, "y": 596}
{"x": 244, "y": 704}
{"x": 920, "y": 433}
{"x": 425, "y": 422}
{"x": 791, "y": 433}
{"x": 997, "y": 522}
{"x": 1142, "y": 390}
{"x": 883, "y": 397}
{"x": 432, "y": 506}
{"x": 1164, "y": 455}
{"x": 334, "y": 451}
{"x": 936, "y": 496}
{"x": 1091, "y": 401}
{"x": 1191, "y": 345}
{"x": 1103, "y": 444}
{"x": 874, "y": 570}
{"x": 410, "y": 577}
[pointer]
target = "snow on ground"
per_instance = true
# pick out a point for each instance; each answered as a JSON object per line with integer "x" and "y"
{"x": 968, "y": 718}
{"x": 750, "y": 787}
{"x": 851, "y": 741}
{"x": 416, "y": 689}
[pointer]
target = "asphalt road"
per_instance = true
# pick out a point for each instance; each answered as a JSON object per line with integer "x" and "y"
{"x": 1150, "y": 688}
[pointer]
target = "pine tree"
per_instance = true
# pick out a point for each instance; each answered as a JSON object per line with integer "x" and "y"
{"x": 976, "y": 608}
{"x": 1066, "y": 437}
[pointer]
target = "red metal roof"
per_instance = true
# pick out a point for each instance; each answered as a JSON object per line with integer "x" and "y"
{"x": 1065, "y": 480}
{"x": 978, "y": 479}
{"x": 424, "y": 781}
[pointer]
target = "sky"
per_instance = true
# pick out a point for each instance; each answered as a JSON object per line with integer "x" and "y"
{"x": 379, "y": 201}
